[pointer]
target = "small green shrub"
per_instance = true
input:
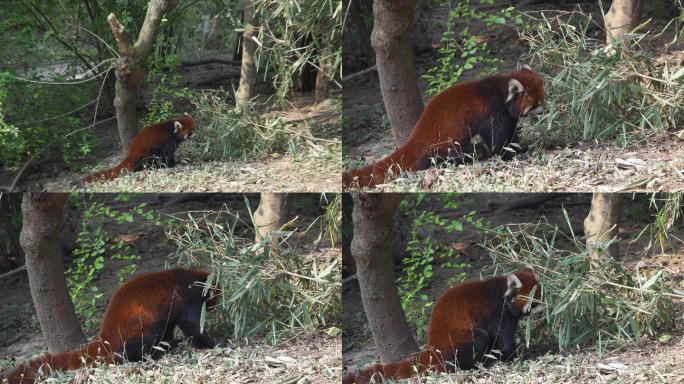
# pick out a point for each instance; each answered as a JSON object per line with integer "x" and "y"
{"x": 95, "y": 247}
{"x": 163, "y": 78}
{"x": 599, "y": 92}
{"x": 462, "y": 51}
{"x": 601, "y": 304}
{"x": 424, "y": 252}
{"x": 227, "y": 132}
{"x": 268, "y": 291}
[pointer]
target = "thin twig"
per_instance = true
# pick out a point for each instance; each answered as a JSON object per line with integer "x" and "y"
{"x": 12, "y": 272}
{"x": 360, "y": 73}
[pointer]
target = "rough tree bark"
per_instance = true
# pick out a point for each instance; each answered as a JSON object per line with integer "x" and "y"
{"x": 42, "y": 218}
{"x": 348, "y": 265}
{"x": 272, "y": 214}
{"x": 622, "y": 17}
{"x": 371, "y": 247}
{"x": 393, "y": 44}
{"x": 325, "y": 69}
{"x": 10, "y": 206}
{"x": 603, "y": 225}
{"x": 248, "y": 68}
{"x": 130, "y": 66}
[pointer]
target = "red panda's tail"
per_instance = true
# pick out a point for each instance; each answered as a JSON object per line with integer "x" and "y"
{"x": 420, "y": 363}
{"x": 27, "y": 371}
{"x": 405, "y": 157}
{"x": 109, "y": 174}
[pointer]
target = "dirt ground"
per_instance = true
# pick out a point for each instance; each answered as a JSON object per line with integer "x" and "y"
{"x": 308, "y": 358}
{"x": 650, "y": 165}
{"x": 651, "y": 358}
{"x": 315, "y": 168}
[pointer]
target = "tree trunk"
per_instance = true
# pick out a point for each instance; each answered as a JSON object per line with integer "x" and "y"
{"x": 130, "y": 66}
{"x": 393, "y": 44}
{"x": 348, "y": 265}
{"x": 324, "y": 72}
{"x": 245, "y": 90}
{"x": 42, "y": 217}
{"x": 371, "y": 247}
{"x": 622, "y": 17}
{"x": 272, "y": 214}
{"x": 602, "y": 225}
{"x": 9, "y": 208}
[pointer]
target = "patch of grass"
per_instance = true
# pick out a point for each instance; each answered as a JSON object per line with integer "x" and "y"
{"x": 658, "y": 365}
{"x": 294, "y": 362}
{"x": 582, "y": 168}
{"x": 616, "y": 92}
{"x": 317, "y": 171}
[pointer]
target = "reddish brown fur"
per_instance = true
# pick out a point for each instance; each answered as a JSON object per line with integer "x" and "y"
{"x": 454, "y": 317}
{"x": 451, "y": 117}
{"x": 154, "y": 141}
{"x": 134, "y": 313}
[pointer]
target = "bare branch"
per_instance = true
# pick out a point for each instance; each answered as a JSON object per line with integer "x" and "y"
{"x": 123, "y": 39}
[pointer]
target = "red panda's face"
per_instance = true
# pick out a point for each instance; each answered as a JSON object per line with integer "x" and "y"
{"x": 525, "y": 291}
{"x": 184, "y": 127}
{"x": 526, "y": 93}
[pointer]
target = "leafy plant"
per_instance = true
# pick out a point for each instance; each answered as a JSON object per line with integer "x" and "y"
{"x": 669, "y": 212}
{"x": 229, "y": 132}
{"x": 163, "y": 78}
{"x": 598, "y": 303}
{"x": 597, "y": 91}
{"x": 460, "y": 50}
{"x": 292, "y": 35}
{"x": 95, "y": 246}
{"x": 270, "y": 292}
{"x": 424, "y": 252}
{"x": 37, "y": 115}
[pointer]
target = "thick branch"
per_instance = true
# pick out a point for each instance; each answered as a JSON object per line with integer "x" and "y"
{"x": 123, "y": 39}
{"x": 155, "y": 11}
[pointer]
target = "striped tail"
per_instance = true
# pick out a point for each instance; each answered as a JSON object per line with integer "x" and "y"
{"x": 405, "y": 158}
{"x": 27, "y": 371}
{"x": 109, "y": 174}
{"x": 420, "y": 363}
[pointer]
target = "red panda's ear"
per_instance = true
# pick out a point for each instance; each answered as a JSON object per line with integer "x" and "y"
{"x": 526, "y": 67}
{"x": 177, "y": 126}
{"x": 514, "y": 88}
{"x": 514, "y": 285}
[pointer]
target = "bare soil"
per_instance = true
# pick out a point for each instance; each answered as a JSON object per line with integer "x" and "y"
{"x": 579, "y": 166}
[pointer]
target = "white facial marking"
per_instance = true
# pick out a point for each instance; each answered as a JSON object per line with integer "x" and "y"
{"x": 514, "y": 87}
{"x": 536, "y": 111}
{"x": 514, "y": 285}
{"x": 177, "y": 126}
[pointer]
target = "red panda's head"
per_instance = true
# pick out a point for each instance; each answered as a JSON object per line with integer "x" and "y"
{"x": 524, "y": 291}
{"x": 184, "y": 127}
{"x": 525, "y": 93}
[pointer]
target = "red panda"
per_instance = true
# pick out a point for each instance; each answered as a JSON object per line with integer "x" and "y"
{"x": 467, "y": 322}
{"x": 489, "y": 107}
{"x": 155, "y": 144}
{"x": 143, "y": 312}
